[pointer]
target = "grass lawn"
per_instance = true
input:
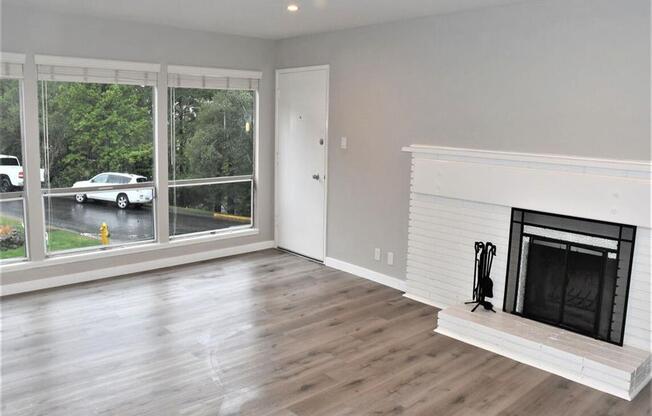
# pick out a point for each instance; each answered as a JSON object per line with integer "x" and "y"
{"x": 66, "y": 240}
{"x": 16, "y": 252}
{"x": 10, "y": 254}
{"x": 59, "y": 240}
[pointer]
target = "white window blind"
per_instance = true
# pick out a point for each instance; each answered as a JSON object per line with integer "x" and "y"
{"x": 11, "y": 65}
{"x": 212, "y": 78}
{"x": 53, "y": 68}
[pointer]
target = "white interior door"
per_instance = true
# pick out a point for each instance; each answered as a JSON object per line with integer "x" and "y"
{"x": 301, "y": 152}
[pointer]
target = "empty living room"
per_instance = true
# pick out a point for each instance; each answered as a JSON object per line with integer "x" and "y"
{"x": 325, "y": 207}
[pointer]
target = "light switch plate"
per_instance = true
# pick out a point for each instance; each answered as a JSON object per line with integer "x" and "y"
{"x": 390, "y": 258}
{"x": 377, "y": 254}
{"x": 344, "y": 142}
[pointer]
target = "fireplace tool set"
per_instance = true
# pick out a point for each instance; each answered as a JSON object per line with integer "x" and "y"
{"x": 483, "y": 286}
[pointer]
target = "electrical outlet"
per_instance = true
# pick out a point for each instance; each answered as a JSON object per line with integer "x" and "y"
{"x": 390, "y": 258}
{"x": 343, "y": 142}
{"x": 377, "y": 254}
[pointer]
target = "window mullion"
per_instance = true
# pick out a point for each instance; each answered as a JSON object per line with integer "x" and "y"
{"x": 161, "y": 157}
{"x": 35, "y": 232}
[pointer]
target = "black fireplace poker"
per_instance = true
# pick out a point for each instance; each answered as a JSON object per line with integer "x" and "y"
{"x": 483, "y": 286}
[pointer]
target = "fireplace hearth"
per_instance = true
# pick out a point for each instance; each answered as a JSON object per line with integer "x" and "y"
{"x": 569, "y": 272}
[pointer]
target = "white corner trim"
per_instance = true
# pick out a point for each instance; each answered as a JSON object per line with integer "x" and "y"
{"x": 96, "y": 63}
{"x": 12, "y": 58}
{"x": 383, "y": 279}
{"x": 212, "y": 72}
{"x": 46, "y": 283}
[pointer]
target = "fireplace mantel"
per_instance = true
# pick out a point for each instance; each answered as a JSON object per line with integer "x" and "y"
{"x": 452, "y": 153}
{"x": 600, "y": 189}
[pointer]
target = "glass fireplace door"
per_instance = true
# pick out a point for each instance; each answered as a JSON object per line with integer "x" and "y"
{"x": 570, "y": 272}
{"x": 570, "y": 285}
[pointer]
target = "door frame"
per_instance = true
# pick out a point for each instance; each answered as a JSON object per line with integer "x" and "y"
{"x": 326, "y": 174}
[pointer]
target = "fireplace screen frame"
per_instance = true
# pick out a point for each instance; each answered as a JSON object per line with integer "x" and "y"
{"x": 622, "y": 235}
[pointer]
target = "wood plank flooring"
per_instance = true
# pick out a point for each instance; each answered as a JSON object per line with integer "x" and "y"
{"x": 266, "y": 333}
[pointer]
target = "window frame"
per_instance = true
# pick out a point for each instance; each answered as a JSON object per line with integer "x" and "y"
{"x": 102, "y": 65}
{"x": 33, "y": 194}
{"x": 196, "y": 182}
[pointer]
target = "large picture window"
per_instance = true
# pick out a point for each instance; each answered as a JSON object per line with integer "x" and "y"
{"x": 97, "y": 130}
{"x": 211, "y": 153}
{"x": 13, "y": 244}
{"x": 97, "y": 142}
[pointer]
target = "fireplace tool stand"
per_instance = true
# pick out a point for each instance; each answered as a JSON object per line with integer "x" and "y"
{"x": 482, "y": 283}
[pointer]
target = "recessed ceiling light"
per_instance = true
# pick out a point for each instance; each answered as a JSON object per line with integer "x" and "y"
{"x": 293, "y": 8}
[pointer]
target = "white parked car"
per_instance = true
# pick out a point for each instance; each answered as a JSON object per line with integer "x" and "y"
{"x": 123, "y": 197}
{"x": 11, "y": 173}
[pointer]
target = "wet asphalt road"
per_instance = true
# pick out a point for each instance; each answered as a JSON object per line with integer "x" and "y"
{"x": 132, "y": 224}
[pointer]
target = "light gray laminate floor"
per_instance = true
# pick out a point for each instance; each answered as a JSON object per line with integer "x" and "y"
{"x": 266, "y": 333}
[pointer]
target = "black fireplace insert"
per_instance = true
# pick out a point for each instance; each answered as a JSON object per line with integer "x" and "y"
{"x": 570, "y": 272}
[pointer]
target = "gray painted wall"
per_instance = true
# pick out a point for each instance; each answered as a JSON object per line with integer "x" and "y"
{"x": 29, "y": 31}
{"x": 557, "y": 76}
{"x": 553, "y": 76}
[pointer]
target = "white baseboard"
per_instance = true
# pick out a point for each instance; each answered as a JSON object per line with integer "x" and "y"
{"x": 383, "y": 279}
{"x": 69, "y": 279}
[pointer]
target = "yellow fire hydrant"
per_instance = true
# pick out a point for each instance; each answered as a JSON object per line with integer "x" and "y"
{"x": 104, "y": 234}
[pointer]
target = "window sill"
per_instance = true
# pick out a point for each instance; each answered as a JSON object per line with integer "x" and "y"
{"x": 120, "y": 251}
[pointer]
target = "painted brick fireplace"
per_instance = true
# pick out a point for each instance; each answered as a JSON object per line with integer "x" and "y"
{"x": 586, "y": 227}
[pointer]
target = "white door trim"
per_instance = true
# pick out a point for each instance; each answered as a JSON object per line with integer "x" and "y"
{"x": 326, "y": 174}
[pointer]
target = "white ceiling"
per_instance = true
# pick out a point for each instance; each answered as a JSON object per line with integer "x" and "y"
{"x": 260, "y": 18}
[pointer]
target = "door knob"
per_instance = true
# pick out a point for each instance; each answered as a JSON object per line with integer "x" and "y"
{"x": 315, "y": 176}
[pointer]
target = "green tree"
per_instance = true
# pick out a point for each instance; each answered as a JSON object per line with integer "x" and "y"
{"x": 93, "y": 128}
{"x": 186, "y": 104}
{"x": 214, "y": 137}
{"x": 220, "y": 144}
{"x": 10, "y": 138}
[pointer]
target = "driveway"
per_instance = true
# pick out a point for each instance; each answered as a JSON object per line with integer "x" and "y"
{"x": 132, "y": 224}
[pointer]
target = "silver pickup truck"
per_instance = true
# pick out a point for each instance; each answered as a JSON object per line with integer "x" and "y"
{"x": 11, "y": 174}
